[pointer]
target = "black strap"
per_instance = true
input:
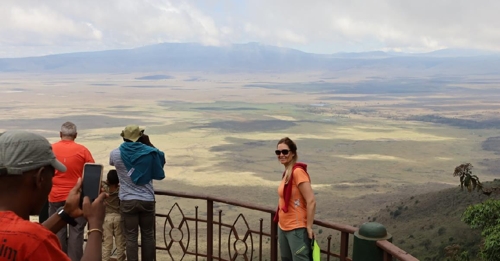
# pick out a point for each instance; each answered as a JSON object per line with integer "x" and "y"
{"x": 64, "y": 216}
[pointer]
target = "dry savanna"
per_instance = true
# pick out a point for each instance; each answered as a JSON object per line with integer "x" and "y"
{"x": 369, "y": 141}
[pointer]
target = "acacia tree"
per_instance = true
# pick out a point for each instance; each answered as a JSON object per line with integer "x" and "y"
{"x": 467, "y": 180}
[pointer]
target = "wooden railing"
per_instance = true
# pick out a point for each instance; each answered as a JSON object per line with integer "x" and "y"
{"x": 391, "y": 251}
{"x": 207, "y": 235}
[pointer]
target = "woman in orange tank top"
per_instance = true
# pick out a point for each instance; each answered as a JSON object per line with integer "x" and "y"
{"x": 297, "y": 205}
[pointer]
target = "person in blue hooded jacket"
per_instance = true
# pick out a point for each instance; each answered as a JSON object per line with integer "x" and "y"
{"x": 138, "y": 163}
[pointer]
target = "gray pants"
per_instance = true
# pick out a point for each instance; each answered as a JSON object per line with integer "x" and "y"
{"x": 72, "y": 245}
{"x": 294, "y": 245}
{"x": 135, "y": 214}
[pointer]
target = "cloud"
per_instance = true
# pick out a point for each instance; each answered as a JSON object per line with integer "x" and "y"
{"x": 387, "y": 24}
{"x": 50, "y": 25}
{"x": 31, "y": 27}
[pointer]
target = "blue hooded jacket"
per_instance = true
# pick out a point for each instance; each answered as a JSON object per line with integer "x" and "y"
{"x": 146, "y": 161}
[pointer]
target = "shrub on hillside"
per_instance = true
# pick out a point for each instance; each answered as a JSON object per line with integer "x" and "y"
{"x": 441, "y": 231}
{"x": 486, "y": 216}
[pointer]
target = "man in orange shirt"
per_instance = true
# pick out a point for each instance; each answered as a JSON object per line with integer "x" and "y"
{"x": 27, "y": 165}
{"x": 73, "y": 156}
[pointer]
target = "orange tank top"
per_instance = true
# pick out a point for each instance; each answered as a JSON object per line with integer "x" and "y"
{"x": 296, "y": 217}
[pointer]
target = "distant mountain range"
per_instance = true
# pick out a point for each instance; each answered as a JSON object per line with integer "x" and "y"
{"x": 253, "y": 57}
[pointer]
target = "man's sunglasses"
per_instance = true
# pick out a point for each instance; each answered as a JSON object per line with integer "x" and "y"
{"x": 278, "y": 152}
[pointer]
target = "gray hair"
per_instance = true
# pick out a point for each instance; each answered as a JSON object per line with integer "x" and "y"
{"x": 68, "y": 129}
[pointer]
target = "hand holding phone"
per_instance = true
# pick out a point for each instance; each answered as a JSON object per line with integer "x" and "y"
{"x": 91, "y": 181}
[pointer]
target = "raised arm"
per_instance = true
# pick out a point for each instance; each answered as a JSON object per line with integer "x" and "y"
{"x": 55, "y": 223}
{"x": 94, "y": 212}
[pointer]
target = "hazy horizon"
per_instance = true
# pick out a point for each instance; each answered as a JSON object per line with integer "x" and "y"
{"x": 454, "y": 51}
{"x": 33, "y": 28}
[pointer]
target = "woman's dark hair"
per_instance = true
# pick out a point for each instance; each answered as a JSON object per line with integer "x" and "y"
{"x": 113, "y": 177}
{"x": 293, "y": 148}
{"x": 291, "y": 145}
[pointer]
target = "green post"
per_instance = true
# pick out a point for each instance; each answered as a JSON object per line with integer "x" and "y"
{"x": 365, "y": 242}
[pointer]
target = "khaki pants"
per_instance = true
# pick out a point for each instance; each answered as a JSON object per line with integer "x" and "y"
{"x": 113, "y": 224}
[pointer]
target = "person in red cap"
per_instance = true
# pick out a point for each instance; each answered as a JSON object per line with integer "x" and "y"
{"x": 27, "y": 166}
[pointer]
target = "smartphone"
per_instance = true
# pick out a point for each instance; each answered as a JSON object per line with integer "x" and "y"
{"x": 91, "y": 181}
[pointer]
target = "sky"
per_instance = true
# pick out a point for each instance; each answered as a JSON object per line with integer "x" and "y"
{"x": 35, "y": 28}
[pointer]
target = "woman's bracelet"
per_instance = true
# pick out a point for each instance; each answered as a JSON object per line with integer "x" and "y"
{"x": 93, "y": 230}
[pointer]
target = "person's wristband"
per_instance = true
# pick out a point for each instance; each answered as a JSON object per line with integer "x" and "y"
{"x": 66, "y": 217}
{"x": 94, "y": 230}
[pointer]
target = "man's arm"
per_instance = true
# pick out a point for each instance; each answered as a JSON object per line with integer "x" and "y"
{"x": 88, "y": 156}
{"x": 111, "y": 162}
{"x": 94, "y": 213}
{"x": 54, "y": 223}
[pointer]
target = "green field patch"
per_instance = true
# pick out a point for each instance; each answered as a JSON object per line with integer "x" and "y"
{"x": 82, "y": 121}
{"x": 461, "y": 123}
{"x": 227, "y": 109}
{"x": 248, "y": 126}
{"x": 129, "y": 113}
{"x": 121, "y": 107}
{"x": 492, "y": 144}
{"x": 398, "y": 86}
{"x": 358, "y": 98}
{"x": 162, "y": 129}
{"x": 148, "y": 86}
{"x": 226, "y": 106}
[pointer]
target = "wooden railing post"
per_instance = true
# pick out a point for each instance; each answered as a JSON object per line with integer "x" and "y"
{"x": 210, "y": 229}
{"x": 344, "y": 246}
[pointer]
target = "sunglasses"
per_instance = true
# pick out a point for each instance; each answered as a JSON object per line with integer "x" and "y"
{"x": 278, "y": 152}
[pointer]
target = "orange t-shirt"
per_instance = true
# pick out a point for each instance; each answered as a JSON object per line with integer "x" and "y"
{"x": 73, "y": 156}
{"x": 24, "y": 240}
{"x": 296, "y": 217}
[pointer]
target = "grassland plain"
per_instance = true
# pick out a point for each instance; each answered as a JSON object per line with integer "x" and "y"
{"x": 358, "y": 136}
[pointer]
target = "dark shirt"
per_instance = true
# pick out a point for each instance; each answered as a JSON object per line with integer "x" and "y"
{"x": 112, "y": 202}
